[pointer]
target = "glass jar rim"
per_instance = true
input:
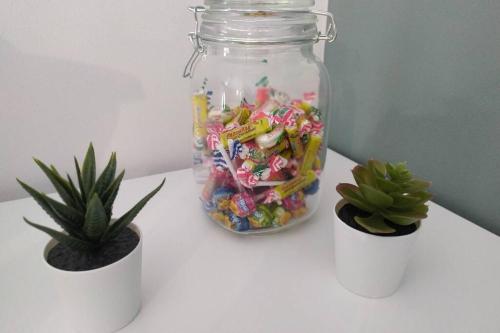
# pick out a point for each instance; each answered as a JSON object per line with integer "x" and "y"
{"x": 260, "y": 4}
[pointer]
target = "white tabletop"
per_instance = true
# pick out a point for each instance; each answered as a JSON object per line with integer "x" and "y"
{"x": 198, "y": 277}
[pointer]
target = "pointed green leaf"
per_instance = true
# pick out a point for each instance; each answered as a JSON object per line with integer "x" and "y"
{"x": 107, "y": 176}
{"x": 377, "y": 167}
{"x": 363, "y": 176}
{"x": 127, "y": 218}
{"x": 409, "y": 201}
{"x": 110, "y": 194}
{"x": 58, "y": 182}
{"x": 69, "y": 241}
{"x": 80, "y": 181}
{"x": 416, "y": 185}
{"x": 375, "y": 197}
{"x": 374, "y": 224}
{"x": 406, "y": 217}
{"x": 88, "y": 172}
{"x": 76, "y": 195}
{"x": 352, "y": 194}
{"x": 65, "y": 216}
{"x": 387, "y": 185}
{"x": 96, "y": 220}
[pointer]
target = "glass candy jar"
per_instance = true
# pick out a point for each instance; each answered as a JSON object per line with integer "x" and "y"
{"x": 260, "y": 102}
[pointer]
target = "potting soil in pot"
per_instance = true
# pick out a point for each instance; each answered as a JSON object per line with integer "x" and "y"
{"x": 348, "y": 212}
{"x": 65, "y": 258}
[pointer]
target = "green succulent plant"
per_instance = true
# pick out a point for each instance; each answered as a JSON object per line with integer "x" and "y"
{"x": 85, "y": 215}
{"x": 389, "y": 192}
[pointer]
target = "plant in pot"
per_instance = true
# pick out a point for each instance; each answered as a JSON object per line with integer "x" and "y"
{"x": 95, "y": 260}
{"x": 376, "y": 224}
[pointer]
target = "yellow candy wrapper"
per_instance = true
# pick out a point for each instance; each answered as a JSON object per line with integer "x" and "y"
{"x": 295, "y": 143}
{"x": 200, "y": 113}
{"x": 246, "y": 132}
{"x": 218, "y": 216}
{"x": 317, "y": 164}
{"x": 283, "y": 145}
{"x": 304, "y": 106}
{"x": 311, "y": 153}
{"x": 295, "y": 185}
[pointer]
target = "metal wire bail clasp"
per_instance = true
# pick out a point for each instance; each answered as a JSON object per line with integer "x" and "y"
{"x": 331, "y": 29}
{"x": 195, "y": 39}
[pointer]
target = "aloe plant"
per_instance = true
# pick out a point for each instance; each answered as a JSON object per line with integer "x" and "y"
{"x": 85, "y": 215}
{"x": 388, "y": 192}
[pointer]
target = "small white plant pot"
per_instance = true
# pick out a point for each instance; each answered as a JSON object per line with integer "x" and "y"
{"x": 100, "y": 300}
{"x": 369, "y": 265}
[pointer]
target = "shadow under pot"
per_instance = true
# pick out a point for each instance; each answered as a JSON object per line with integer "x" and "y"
{"x": 370, "y": 265}
{"x": 102, "y": 299}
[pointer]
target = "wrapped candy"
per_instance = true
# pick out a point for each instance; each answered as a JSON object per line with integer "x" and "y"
{"x": 310, "y": 153}
{"x": 312, "y": 188}
{"x": 237, "y": 223}
{"x": 264, "y": 158}
{"x": 294, "y": 201}
{"x": 242, "y": 204}
{"x": 270, "y": 139}
{"x": 261, "y": 218}
{"x": 281, "y": 216}
{"x": 246, "y": 132}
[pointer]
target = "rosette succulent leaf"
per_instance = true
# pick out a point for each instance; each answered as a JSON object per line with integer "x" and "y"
{"x": 85, "y": 215}
{"x": 388, "y": 192}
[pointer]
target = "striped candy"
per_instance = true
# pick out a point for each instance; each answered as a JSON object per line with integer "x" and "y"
{"x": 277, "y": 163}
{"x": 235, "y": 148}
{"x": 218, "y": 160}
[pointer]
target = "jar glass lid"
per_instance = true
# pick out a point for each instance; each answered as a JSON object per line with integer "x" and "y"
{"x": 258, "y": 27}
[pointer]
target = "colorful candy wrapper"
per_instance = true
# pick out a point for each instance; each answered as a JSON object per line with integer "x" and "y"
{"x": 281, "y": 217}
{"x": 261, "y": 218}
{"x": 295, "y": 142}
{"x": 265, "y": 111}
{"x": 248, "y": 165}
{"x": 294, "y": 201}
{"x": 295, "y": 185}
{"x": 305, "y": 127}
{"x": 243, "y": 115}
{"x": 237, "y": 223}
{"x": 262, "y": 172}
{"x": 283, "y": 145}
{"x": 235, "y": 148}
{"x": 217, "y": 216}
{"x": 310, "y": 96}
{"x": 247, "y": 178}
{"x": 261, "y": 96}
{"x": 317, "y": 128}
{"x": 277, "y": 162}
{"x": 242, "y": 204}
{"x": 270, "y": 139}
{"x": 311, "y": 153}
{"x": 246, "y": 132}
{"x": 317, "y": 164}
{"x": 212, "y": 141}
{"x": 200, "y": 110}
{"x": 222, "y": 193}
{"x": 313, "y": 188}
{"x": 299, "y": 212}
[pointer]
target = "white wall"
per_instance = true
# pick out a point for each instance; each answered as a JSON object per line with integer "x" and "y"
{"x": 107, "y": 71}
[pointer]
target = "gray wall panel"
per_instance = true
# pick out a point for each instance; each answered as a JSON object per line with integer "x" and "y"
{"x": 420, "y": 81}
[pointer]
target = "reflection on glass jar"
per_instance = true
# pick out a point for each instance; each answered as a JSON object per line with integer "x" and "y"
{"x": 260, "y": 112}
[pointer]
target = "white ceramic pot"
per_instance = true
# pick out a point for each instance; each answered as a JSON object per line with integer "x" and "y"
{"x": 369, "y": 265}
{"x": 104, "y": 299}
